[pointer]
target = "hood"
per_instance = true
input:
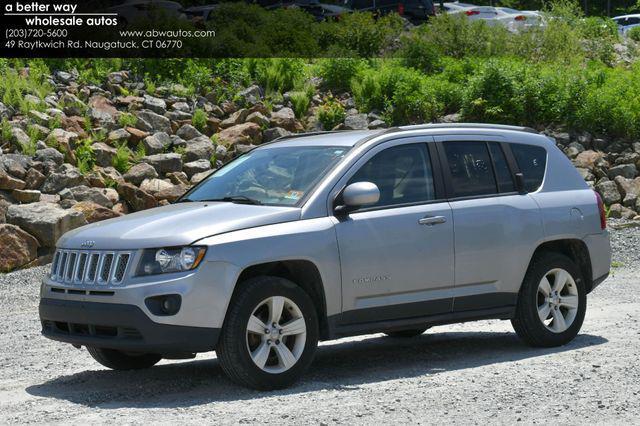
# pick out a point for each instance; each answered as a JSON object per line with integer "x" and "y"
{"x": 174, "y": 225}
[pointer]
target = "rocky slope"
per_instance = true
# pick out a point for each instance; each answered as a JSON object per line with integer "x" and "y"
{"x": 87, "y": 153}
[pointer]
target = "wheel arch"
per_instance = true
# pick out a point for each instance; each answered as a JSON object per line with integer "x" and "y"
{"x": 304, "y": 273}
{"x": 576, "y": 250}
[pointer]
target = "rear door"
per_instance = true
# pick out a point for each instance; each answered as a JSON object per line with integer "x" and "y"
{"x": 494, "y": 226}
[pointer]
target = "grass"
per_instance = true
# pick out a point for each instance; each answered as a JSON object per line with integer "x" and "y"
{"x": 127, "y": 120}
{"x": 199, "y": 120}
{"x": 122, "y": 160}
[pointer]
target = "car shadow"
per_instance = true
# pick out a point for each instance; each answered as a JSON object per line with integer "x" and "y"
{"x": 343, "y": 365}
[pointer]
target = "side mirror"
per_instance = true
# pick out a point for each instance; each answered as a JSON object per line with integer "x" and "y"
{"x": 358, "y": 194}
{"x": 520, "y": 186}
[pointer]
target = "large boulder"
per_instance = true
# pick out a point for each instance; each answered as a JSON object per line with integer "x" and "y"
{"x": 200, "y": 148}
{"x": 136, "y": 198}
{"x": 274, "y": 133}
{"x": 243, "y": 134}
{"x": 34, "y": 179}
{"x": 171, "y": 194}
{"x": 157, "y": 105}
{"x": 153, "y": 186}
{"x": 93, "y": 212}
{"x": 165, "y": 163}
{"x": 66, "y": 176}
{"x": 149, "y": 121}
{"x": 356, "y": 122}
{"x": 101, "y": 110}
{"x": 625, "y": 170}
{"x": 286, "y": 119}
{"x": 95, "y": 195}
{"x": 629, "y": 190}
{"x": 45, "y": 221}
{"x": 590, "y": 160}
{"x": 188, "y": 132}
{"x": 156, "y": 143}
{"x": 196, "y": 167}
{"x": 609, "y": 192}
{"x": 140, "y": 172}
{"x": 8, "y": 182}
{"x": 18, "y": 248}
{"x": 25, "y": 196}
{"x": 49, "y": 154}
{"x": 104, "y": 154}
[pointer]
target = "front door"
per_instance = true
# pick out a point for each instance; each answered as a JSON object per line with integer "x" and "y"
{"x": 397, "y": 256}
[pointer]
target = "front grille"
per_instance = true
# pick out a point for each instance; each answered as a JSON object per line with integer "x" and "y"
{"x": 83, "y": 267}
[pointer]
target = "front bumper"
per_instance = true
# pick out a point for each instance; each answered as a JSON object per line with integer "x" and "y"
{"x": 120, "y": 326}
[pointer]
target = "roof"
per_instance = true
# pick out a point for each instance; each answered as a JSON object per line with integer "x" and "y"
{"x": 355, "y": 137}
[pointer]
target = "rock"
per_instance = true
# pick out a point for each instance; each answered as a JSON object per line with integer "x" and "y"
{"x": 18, "y": 248}
{"x": 63, "y": 138}
{"x": 286, "y": 119}
{"x": 72, "y": 105}
{"x": 84, "y": 193}
{"x": 188, "y": 132}
{"x": 237, "y": 117}
{"x": 118, "y": 136}
{"x": 573, "y": 149}
{"x": 136, "y": 198}
{"x": 156, "y": 143}
{"x": 16, "y": 164}
{"x": 274, "y": 133}
{"x": 609, "y": 192}
{"x": 618, "y": 211}
{"x": 104, "y": 154}
{"x": 629, "y": 190}
{"x": 590, "y": 160}
{"x": 93, "y": 212}
{"x": 171, "y": 194}
{"x": 258, "y": 118}
{"x": 195, "y": 167}
{"x": 101, "y": 110}
{"x": 121, "y": 208}
{"x": 140, "y": 172}
{"x": 111, "y": 194}
{"x": 247, "y": 133}
{"x": 251, "y": 94}
{"x": 626, "y": 170}
{"x": 39, "y": 117}
{"x": 585, "y": 173}
{"x": 26, "y": 196}
{"x": 8, "y": 182}
{"x": 118, "y": 77}
{"x": 165, "y": 163}
{"x": 156, "y": 105}
{"x": 63, "y": 77}
{"x": 49, "y": 154}
{"x": 136, "y": 135}
{"x": 34, "y": 179}
{"x": 153, "y": 186}
{"x": 66, "y": 176}
{"x": 199, "y": 148}
{"x": 178, "y": 178}
{"x": 5, "y": 113}
{"x": 45, "y": 221}
{"x": 20, "y": 136}
{"x": 356, "y": 122}
{"x": 377, "y": 124}
{"x": 110, "y": 174}
{"x": 199, "y": 177}
{"x": 149, "y": 121}
{"x": 181, "y": 106}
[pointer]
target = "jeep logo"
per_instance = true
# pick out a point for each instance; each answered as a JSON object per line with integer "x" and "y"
{"x": 88, "y": 244}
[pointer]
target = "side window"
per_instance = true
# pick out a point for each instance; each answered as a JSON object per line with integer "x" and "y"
{"x": 532, "y": 161}
{"x": 503, "y": 174}
{"x": 470, "y": 167}
{"x": 402, "y": 173}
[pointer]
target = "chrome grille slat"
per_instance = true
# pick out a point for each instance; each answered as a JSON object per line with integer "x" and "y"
{"x": 88, "y": 268}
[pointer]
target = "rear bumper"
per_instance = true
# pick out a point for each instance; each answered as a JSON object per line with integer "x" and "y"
{"x": 119, "y": 326}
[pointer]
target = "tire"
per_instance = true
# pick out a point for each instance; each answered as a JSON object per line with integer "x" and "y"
{"x": 406, "y": 333}
{"x": 257, "y": 299}
{"x": 117, "y": 360}
{"x": 533, "y": 304}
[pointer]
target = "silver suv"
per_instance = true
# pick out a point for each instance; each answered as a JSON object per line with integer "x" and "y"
{"x": 321, "y": 236}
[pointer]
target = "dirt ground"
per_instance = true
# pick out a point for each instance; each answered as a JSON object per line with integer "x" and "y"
{"x": 474, "y": 373}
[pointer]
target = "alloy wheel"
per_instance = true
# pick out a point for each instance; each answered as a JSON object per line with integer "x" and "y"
{"x": 276, "y": 334}
{"x": 557, "y": 300}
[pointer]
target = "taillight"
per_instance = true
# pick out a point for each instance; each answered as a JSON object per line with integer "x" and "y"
{"x": 603, "y": 213}
{"x": 472, "y": 12}
{"x": 400, "y": 9}
{"x": 520, "y": 18}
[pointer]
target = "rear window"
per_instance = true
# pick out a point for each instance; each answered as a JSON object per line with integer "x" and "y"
{"x": 532, "y": 161}
{"x": 470, "y": 167}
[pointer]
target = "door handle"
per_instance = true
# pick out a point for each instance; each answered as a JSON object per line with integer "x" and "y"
{"x": 432, "y": 220}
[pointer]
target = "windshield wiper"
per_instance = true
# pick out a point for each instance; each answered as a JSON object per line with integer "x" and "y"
{"x": 238, "y": 199}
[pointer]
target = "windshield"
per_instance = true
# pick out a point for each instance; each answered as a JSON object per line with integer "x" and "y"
{"x": 273, "y": 176}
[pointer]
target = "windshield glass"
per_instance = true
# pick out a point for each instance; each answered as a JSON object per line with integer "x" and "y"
{"x": 273, "y": 176}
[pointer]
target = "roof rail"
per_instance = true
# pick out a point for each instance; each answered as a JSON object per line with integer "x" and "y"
{"x": 466, "y": 125}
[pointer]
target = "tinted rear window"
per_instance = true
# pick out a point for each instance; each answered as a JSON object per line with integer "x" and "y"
{"x": 532, "y": 161}
{"x": 503, "y": 174}
{"x": 470, "y": 166}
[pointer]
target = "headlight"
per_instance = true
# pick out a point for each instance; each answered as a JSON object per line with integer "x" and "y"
{"x": 174, "y": 259}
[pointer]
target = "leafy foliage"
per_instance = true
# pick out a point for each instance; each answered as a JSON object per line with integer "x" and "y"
{"x": 199, "y": 119}
{"x": 330, "y": 113}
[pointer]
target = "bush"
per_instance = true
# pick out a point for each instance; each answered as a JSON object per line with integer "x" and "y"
{"x": 199, "y": 120}
{"x": 85, "y": 157}
{"x": 337, "y": 72}
{"x": 634, "y": 34}
{"x": 277, "y": 75}
{"x": 122, "y": 160}
{"x": 330, "y": 113}
{"x": 419, "y": 52}
{"x": 300, "y": 101}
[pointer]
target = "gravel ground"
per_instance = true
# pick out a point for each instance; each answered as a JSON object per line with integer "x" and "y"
{"x": 468, "y": 373}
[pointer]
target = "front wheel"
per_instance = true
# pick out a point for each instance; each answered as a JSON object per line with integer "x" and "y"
{"x": 552, "y": 302}
{"x": 270, "y": 334}
{"x": 118, "y": 360}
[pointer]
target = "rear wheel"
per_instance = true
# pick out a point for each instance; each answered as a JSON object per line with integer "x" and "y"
{"x": 407, "y": 333}
{"x": 552, "y": 302}
{"x": 270, "y": 334}
{"x": 118, "y": 360}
